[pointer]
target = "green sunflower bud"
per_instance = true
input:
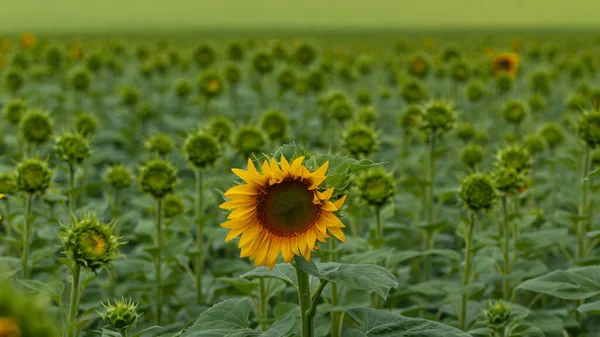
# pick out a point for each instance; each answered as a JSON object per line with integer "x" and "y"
{"x": 410, "y": 117}
{"x": 497, "y": 315}
{"x": 286, "y": 79}
{"x": 95, "y": 62}
{"x": 249, "y": 140}
{"x": 376, "y": 187}
{"x": 89, "y": 243}
{"x": 438, "y": 117}
{"x": 129, "y": 95}
{"x": 122, "y": 315}
{"x": 553, "y": 134}
{"x": 317, "y": 80}
{"x": 540, "y": 82}
{"x": 174, "y": 206}
{"x": 183, "y": 88}
{"x": 537, "y": 103}
{"x": 419, "y": 66}
{"x": 478, "y": 191}
{"x": 115, "y": 66}
{"x": 364, "y": 97}
{"x": 159, "y": 65}
{"x": 465, "y": 131}
{"x": 36, "y": 127}
{"x": 145, "y": 111}
{"x": 367, "y": 115}
{"x": 385, "y": 93}
{"x": 72, "y": 148}
{"x": 472, "y": 155}
{"x": 118, "y": 176}
{"x": 275, "y": 124}
{"x": 204, "y": 56}
{"x": 86, "y": 124}
{"x": 460, "y": 71}
{"x": 142, "y": 52}
{"x": 509, "y": 181}
{"x": 514, "y": 112}
{"x": 79, "y": 79}
{"x": 211, "y": 85}
{"x": 347, "y": 73}
{"x": 279, "y": 50}
{"x": 235, "y": 51}
{"x": 504, "y": 82}
{"x": 413, "y": 91}
{"x": 514, "y": 156}
{"x": 476, "y": 91}
{"x": 14, "y": 110}
{"x": 221, "y": 128}
{"x": 8, "y": 184}
{"x": 158, "y": 178}
{"x": 33, "y": 176}
{"x": 25, "y": 315}
{"x": 305, "y": 54}
{"x": 360, "y": 141}
{"x": 534, "y": 144}
{"x": 13, "y": 80}
{"x": 20, "y": 60}
{"x": 160, "y": 144}
{"x": 263, "y": 63}
{"x": 54, "y": 56}
{"x": 233, "y": 74}
{"x": 451, "y": 53}
{"x": 589, "y": 127}
{"x": 201, "y": 150}
{"x": 577, "y": 102}
{"x": 341, "y": 110}
{"x": 364, "y": 65}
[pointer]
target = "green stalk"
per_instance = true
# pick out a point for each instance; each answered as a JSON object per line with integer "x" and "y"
{"x": 429, "y": 234}
{"x": 581, "y": 225}
{"x": 26, "y": 237}
{"x": 72, "y": 198}
{"x": 553, "y": 177}
{"x": 158, "y": 261}
{"x": 378, "y": 228}
{"x": 199, "y": 233}
{"x": 7, "y": 224}
{"x": 262, "y": 298}
{"x": 335, "y": 316}
{"x": 308, "y": 322}
{"x": 505, "y": 250}
{"x": 466, "y": 278}
{"x": 74, "y": 307}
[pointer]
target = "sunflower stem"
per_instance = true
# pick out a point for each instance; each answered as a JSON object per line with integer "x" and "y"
{"x": 72, "y": 198}
{"x": 505, "y": 250}
{"x": 466, "y": 277}
{"x": 199, "y": 233}
{"x": 158, "y": 260}
{"x": 308, "y": 323}
{"x": 335, "y": 316}
{"x": 553, "y": 178}
{"x": 581, "y": 225}
{"x": 429, "y": 233}
{"x": 7, "y": 224}
{"x": 74, "y": 306}
{"x": 26, "y": 237}
{"x": 262, "y": 298}
{"x": 378, "y": 228}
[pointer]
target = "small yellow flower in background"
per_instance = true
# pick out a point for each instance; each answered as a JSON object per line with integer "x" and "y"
{"x": 28, "y": 40}
{"x": 213, "y": 85}
{"x": 281, "y": 211}
{"x": 8, "y": 328}
{"x": 507, "y": 63}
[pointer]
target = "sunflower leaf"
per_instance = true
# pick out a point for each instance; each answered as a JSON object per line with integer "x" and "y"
{"x": 281, "y": 327}
{"x": 571, "y": 284}
{"x": 359, "y": 276}
{"x": 380, "y": 323}
{"x": 282, "y": 271}
{"x": 226, "y": 318}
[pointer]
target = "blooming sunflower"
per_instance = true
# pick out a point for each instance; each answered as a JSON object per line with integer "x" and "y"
{"x": 506, "y": 63}
{"x": 281, "y": 210}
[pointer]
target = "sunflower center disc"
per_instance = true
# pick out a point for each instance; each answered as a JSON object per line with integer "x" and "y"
{"x": 287, "y": 208}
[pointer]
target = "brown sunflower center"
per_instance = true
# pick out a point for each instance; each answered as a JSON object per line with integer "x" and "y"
{"x": 8, "y": 328}
{"x": 287, "y": 208}
{"x": 504, "y": 64}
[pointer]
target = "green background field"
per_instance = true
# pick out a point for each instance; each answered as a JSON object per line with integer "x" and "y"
{"x": 109, "y": 15}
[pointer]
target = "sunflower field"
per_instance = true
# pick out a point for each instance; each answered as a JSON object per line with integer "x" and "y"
{"x": 343, "y": 186}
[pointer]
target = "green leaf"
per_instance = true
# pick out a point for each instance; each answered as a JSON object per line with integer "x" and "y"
{"x": 140, "y": 333}
{"x": 592, "y": 308}
{"x": 228, "y": 317}
{"x": 245, "y": 286}
{"x": 359, "y": 276}
{"x": 54, "y": 290}
{"x": 282, "y": 271}
{"x": 402, "y": 256}
{"x": 381, "y": 323}
{"x": 525, "y": 330}
{"x": 281, "y": 327}
{"x": 571, "y": 284}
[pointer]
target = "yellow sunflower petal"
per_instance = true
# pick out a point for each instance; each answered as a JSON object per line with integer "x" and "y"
{"x": 237, "y": 203}
{"x": 251, "y": 167}
{"x": 285, "y": 165}
{"x": 242, "y": 189}
{"x": 297, "y": 166}
{"x": 286, "y": 250}
{"x": 328, "y": 206}
{"x": 311, "y": 237}
{"x": 321, "y": 171}
{"x": 335, "y": 231}
{"x": 250, "y": 234}
{"x": 326, "y": 194}
{"x": 340, "y": 202}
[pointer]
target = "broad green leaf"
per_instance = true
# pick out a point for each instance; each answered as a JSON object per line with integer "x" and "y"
{"x": 592, "y": 308}
{"x": 381, "y": 323}
{"x": 142, "y": 332}
{"x": 281, "y": 327}
{"x": 245, "y": 286}
{"x": 525, "y": 330}
{"x": 402, "y": 256}
{"x": 359, "y": 276}
{"x": 228, "y": 317}
{"x": 571, "y": 284}
{"x": 282, "y": 271}
{"x": 54, "y": 290}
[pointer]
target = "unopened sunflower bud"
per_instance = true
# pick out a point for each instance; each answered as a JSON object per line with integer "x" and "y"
{"x": 540, "y": 82}
{"x": 160, "y": 144}
{"x": 305, "y": 54}
{"x": 504, "y": 83}
{"x": 158, "y": 178}
{"x": 86, "y": 124}
{"x": 249, "y": 140}
{"x": 13, "y": 80}
{"x": 211, "y": 85}
{"x": 263, "y": 63}
{"x": 413, "y": 91}
{"x": 79, "y": 79}
{"x": 534, "y": 144}
{"x": 476, "y": 91}
{"x": 419, "y": 66}
{"x": 460, "y": 71}
{"x": 286, "y": 79}
{"x": 121, "y": 315}
{"x": 275, "y": 124}
{"x": 589, "y": 127}
{"x": 204, "y": 56}
{"x": 367, "y": 115}
{"x": 376, "y": 187}
{"x": 33, "y": 176}
{"x": 471, "y": 155}
{"x": 497, "y": 315}
{"x": 36, "y": 127}
{"x": 72, "y": 148}
{"x": 478, "y": 191}
{"x": 118, "y": 176}
{"x": 438, "y": 117}
{"x": 411, "y": 117}
{"x": 360, "y": 141}
{"x": 14, "y": 110}
{"x": 341, "y": 110}
{"x": 174, "y": 206}
{"x": 183, "y": 88}
{"x": 232, "y": 74}
{"x": 514, "y": 156}
{"x": 509, "y": 181}
{"x": 221, "y": 128}
{"x": 537, "y": 103}
{"x": 465, "y": 131}
{"x": 364, "y": 97}
{"x": 8, "y": 184}
{"x": 235, "y": 51}
{"x": 129, "y": 95}
{"x": 514, "y": 112}
{"x": 201, "y": 150}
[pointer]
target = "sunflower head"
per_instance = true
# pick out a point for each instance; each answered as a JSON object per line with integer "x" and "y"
{"x": 497, "y": 315}
{"x": 221, "y": 128}
{"x": 577, "y": 101}
{"x": 160, "y": 144}
{"x": 414, "y": 91}
{"x": 341, "y": 110}
{"x": 72, "y": 148}
{"x": 360, "y": 141}
{"x": 281, "y": 210}
{"x": 183, "y": 88}
{"x": 505, "y": 63}
{"x": 249, "y": 140}
{"x": 13, "y": 80}
{"x": 410, "y": 117}
{"x": 118, "y": 176}
{"x": 504, "y": 83}
{"x": 317, "y": 80}
{"x": 233, "y": 74}
{"x": 33, "y": 176}
{"x": 86, "y": 124}
{"x": 472, "y": 155}
{"x": 275, "y": 123}
{"x": 263, "y": 62}
{"x": 364, "y": 65}
{"x": 367, "y": 115}
{"x": 476, "y": 91}
{"x": 36, "y": 127}
{"x": 438, "y": 117}
{"x": 14, "y": 110}
{"x": 460, "y": 71}
{"x": 174, "y": 206}
{"x": 204, "y": 55}
{"x": 129, "y": 95}
{"x": 589, "y": 127}
{"x": 201, "y": 150}
{"x": 211, "y": 85}
{"x": 534, "y": 143}
{"x": 158, "y": 178}
{"x": 89, "y": 243}
{"x": 514, "y": 112}
{"x": 376, "y": 187}
{"x": 514, "y": 156}
{"x": 419, "y": 66}
{"x": 24, "y": 315}
{"x": 364, "y": 97}
{"x": 305, "y": 54}
{"x": 465, "y": 131}
{"x": 478, "y": 191}
{"x": 235, "y": 51}
{"x": 552, "y": 134}
{"x": 121, "y": 315}
{"x": 286, "y": 79}
{"x": 451, "y": 53}
{"x": 79, "y": 78}
{"x": 541, "y": 82}
{"x": 509, "y": 181}
{"x": 8, "y": 184}
{"x": 28, "y": 40}
{"x": 94, "y": 61}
